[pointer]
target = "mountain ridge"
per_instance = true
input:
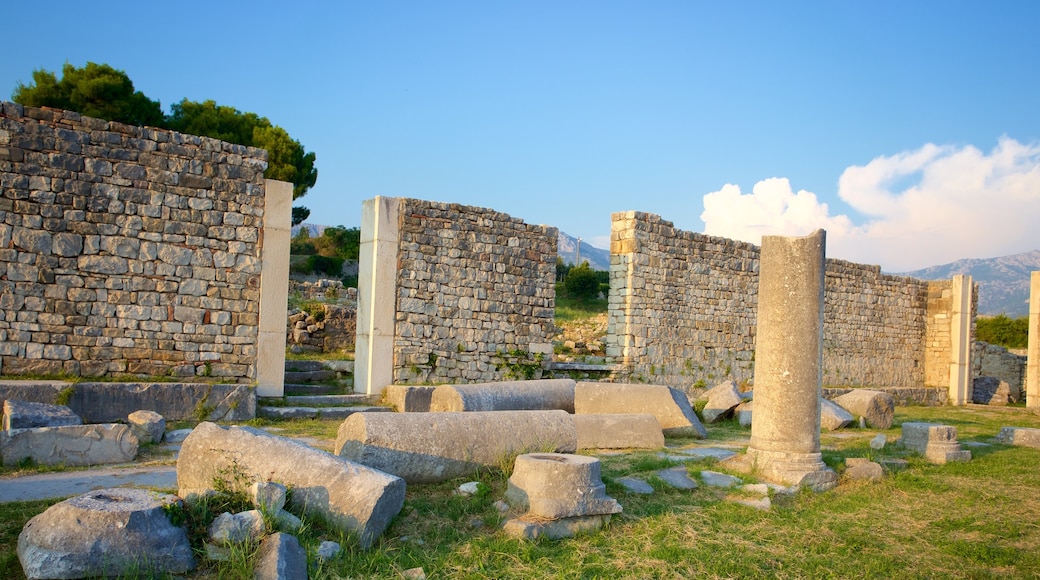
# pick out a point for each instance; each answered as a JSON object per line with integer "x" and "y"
{"x": 1003, "y": 281}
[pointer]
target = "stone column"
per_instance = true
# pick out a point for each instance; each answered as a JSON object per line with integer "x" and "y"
{"x": 377, "y": 294}
{"x": 274, "y": 288}
{"x": 960, "y": 340}
{"x": 785, "y": 434}
{"x": 1033, "y": 363}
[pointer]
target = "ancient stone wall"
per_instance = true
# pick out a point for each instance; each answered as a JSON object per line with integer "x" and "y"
{"x": 682, "y": 310}
{"x": 126, "y": 249}
{"x": 475, "y": 295}
{"x": 991, "y": 360}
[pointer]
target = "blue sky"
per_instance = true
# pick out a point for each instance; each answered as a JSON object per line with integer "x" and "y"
{"x": 909, "y": 130}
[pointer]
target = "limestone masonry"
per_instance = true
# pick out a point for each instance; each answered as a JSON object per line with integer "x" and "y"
{"x": 126, "y": 249}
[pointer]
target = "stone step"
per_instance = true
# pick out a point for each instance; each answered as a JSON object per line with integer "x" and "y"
{"x": 303, "y": 366}
{"x": 337, "y": 400}
{"x": 309, "y": 390}
{"x": 315, "y": 412}
{"x": 319, "y": 376}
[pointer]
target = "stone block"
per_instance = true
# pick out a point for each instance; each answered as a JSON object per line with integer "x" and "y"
{"x": 409, "y": 398}
{"x": 1019, "y": 436}
{"x": 745, "y": 413}
{"x": 670, "y": 406}
{"x": 722, "y": 399}
{"x": 559, "y": 485}
{"x": 937, "y": 443}
{"x": 280, "y": 557}
{"x": 876, "y": 407}
{"x": 71, "y": 445}
{"x": 26, "y": 415}
{"x": 618, "y": 431}
{"x": 532, "y": 528}
{"x": 149, "y": 426}
{"x": 353, "y": 497}
{"x": 533, "y": 395}
{"x": 431, "y": 447}
{"x": 105, "y": 532}
{"x": 106, "y": 402}
{"x": 990, "y": 391}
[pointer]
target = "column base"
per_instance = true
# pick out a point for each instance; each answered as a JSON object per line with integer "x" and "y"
{"x": 802, "y": 469}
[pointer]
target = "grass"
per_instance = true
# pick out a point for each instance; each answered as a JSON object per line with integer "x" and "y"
{"x": 569, "y": 309}
{"x": 962, "y": 520}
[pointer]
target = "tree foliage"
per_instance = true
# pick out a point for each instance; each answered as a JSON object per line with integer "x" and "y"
{"x": 582, "y": 283}
{"x": 96, "y": 90}
{"x": 334, "y": 242}
{"x": 1004, "y": 331}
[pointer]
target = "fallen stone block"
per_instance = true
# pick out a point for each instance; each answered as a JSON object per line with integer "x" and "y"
{"x": 353, "y": 497}
{"x": 937, "y": 443}
{"x": 990, "y": 391}
{"x": 559, "y": 485}
{"x": 1019, "y": 436}
{"x": 534, "y": 395}
{"x": 875, "y": 407}
{"x": 532, "y": 527}
{"x": 106, "y": 532}
{"x": 28, "y": 415}
{"x": 677, "y": 477}
{"x": 722, "y": 400}
{"x": 670, "y": 406}
{"x": 833, "y": 416}
{"x": 618, "y": 431}
{"x": 409, "y": 398}
{"x": 431, "y": 447}
{"x": 229, "y": 528}
{"x": 280, "y": 557}
{"x": 745, "y": 413}
{"x": 862, "y": 469}
{"x": 109, "y": 402}
{"x": 71, "y": 445}
{"x": 149, "y": 426}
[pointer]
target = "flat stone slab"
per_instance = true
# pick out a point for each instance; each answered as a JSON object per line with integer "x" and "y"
{"x": 65, "y": 483}
{"x": 708, "y": 453}
{"x": 716, "y": 479}
{"x": 635, "y": 485}
{"x": 533, "y": 395}
{"x": 351, "y": 496}
{"x": 677, "y": 477}
{"x": 431, "y": 447}
{"x": 315, "y": 412}
{"x": 72, "y": 445}
{"x": 340, "y": 400}
{"x": 670, "y": 406}
{"x": 618, "y": 432}
{"x": 27, "y": 415}
{"x": 1019, "y": 436}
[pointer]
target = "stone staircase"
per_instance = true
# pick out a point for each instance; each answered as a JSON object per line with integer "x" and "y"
{"x": 317, "y": 389}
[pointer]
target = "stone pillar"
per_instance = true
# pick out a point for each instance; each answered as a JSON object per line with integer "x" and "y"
{"x": 960, "y": 340}
{"x": 274, "y": 288}
{"x": 785, "y": 435}
{"x": 377, "y": 294}
{"x": 1033, "y": 363}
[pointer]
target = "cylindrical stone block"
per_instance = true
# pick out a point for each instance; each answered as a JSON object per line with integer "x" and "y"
{"x": 785, "y": 435}
{"x": 534, "y": 395}
{"x": 430, "y": 447}
{"x": 559, "y": 485}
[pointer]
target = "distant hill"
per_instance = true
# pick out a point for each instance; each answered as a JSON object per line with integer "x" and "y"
{"x": 567, "y": 246}
{"x": 1003, "y": 282}
{"x": 313, "y": 230}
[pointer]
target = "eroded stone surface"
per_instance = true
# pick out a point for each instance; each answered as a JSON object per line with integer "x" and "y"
{"x": 618, "y": 431}
{"x": 72, "y": 445}
{"x": 533, "y": 395}
{"x": 722, "y": 399}
{"x": 1021, "y": 436}
{"x": 875, "y": 407}
{"x": 149, "y": 426}
{"x": 670, "y": 406}
{"x": 833, "y": 417}
{"x": 27, "y": 415}
{"x": 559, "y": 485}
{"x": 280, "y": 557}
{"x": 937, "y": 443}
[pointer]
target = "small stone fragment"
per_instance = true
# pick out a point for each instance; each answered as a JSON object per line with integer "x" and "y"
{"x": 149, "y": 426}
{"x": 414, "y": 574}
{"x": 635, "y": 485}
{"x": 716, "y": 479}
{"x": 268, "y": 496}
{"x": 231, "y": 528}
{"x": 677, "y": 477}
{"x": 328, "y": 550}
{"x": 878, "y": 442}
{"x": 280, "y": 557}
{"x": 469, "y": 488}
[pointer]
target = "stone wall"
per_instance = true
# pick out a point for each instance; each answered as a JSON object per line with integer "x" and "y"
{"x": 473, "y": 291}
{"x": 991, "y": 360}
{"x": 126, "y": 249}
{"x": 682, "y": 310}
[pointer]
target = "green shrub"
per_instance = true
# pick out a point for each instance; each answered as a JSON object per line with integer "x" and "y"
{"x": 1004, "y": 331}
{"x": 582, "y": 283}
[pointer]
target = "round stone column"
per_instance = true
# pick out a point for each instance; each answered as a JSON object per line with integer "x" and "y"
{"x": 785, "y": 432}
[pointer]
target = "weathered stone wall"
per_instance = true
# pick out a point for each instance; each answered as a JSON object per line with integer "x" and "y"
{"x": 990, "y": 360}
{"x": 475, "y": 295}
{"x": 126, "y": 249}
{"x": 682, "y": 310}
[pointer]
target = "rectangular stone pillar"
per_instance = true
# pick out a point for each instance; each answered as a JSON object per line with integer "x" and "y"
{"x": 377, "y": 294}
{"x": 960, "y": 340}
{"x": 1033, "y": 363}
{"x": 274, "y": 288}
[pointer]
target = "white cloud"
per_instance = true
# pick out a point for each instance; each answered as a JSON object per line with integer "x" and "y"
{"x": 921, "y": 208}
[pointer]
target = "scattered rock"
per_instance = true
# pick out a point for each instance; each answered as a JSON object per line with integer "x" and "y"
{"x": 28, "y": 415}
{"x": 328, "y": 550}
{"x": 176, "y": 436}
{"x": 501, "y": 506}
{"x": 1020, "y": 436}
{"x": 554, "y": 529}
{"x": 722, "y": 399}
{"x": 759, "y": 488}
{"x": 763, "y": 503}
{"x": 149, "y": 426}
{"x": 878, "y": 442}
{"x": 833, "y": 416}
{"x": 229, "y": 528}
{"x": 875, "y": 407}
{"x": 106, "y": 531}
{"x": 268, "y": 496}
{"x": 635, "y": 485}
{"x": 861, "y": 469}
{"x": 409, "y": 398}
{"x": 414, "y": 574}
{"x": 469, "y": 488}
{"x": 280, "y": 557}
